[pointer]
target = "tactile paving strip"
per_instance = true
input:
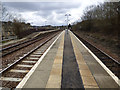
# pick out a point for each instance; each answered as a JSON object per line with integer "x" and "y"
{"x": 87, "y": 78}
{"x": 54, "y": 80}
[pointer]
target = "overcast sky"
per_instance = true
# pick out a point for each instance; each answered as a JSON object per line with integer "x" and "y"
{"x": 51, "y": 12}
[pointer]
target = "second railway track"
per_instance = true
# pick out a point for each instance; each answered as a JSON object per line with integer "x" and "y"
{"x": 20, "y": 51}
{"x": 10, "y": 49}
{"x": 13, "y": 74}
{"x": 111, "y": 63}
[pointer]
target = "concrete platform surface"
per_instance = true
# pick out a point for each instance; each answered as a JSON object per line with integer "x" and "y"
{"x": 68, "y": 64}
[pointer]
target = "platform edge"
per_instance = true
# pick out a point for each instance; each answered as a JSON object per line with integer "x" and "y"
{"x": 115, "y": 78}
{"x": 24, "y": 80}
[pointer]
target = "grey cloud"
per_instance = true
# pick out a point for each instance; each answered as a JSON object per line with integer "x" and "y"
{"x": 48, "y": 13}
{"x": 35, "y": 6}
{"x": 61, "y": 11}
{"x": 43, "y": 13}
{"x": 51, "y": 11}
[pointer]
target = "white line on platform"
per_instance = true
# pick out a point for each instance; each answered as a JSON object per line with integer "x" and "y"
{"x": 100, "y": 62}
{"x": 22, "y": 83}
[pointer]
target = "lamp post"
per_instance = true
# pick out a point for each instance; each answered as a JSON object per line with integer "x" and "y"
{"x": 67, "y": 15}
{"x": 45, "y": 23}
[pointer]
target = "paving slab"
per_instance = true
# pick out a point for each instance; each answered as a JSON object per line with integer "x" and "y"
{"x": 106, "y": 82}
{"x": 85, "y": 72}
{"x": 89, "y": 81}
{"x": 38, "y": 79}
{"x": 96, "y": 69}
{"x": 89, "y": 59}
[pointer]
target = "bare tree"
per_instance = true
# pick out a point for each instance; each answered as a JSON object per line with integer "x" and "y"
{"x": 13, "y": 22}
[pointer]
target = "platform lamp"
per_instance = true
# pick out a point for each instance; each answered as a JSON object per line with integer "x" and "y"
{"x": 45, "y": 23}
{"x": 67, "y": 15}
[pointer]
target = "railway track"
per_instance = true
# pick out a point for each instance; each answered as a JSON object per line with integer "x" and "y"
{"x": 13, "y": 74}
{"x": 10, "y": 49}
{"x": 111, "y": 63}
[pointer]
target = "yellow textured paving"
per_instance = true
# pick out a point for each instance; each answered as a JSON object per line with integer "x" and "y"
{"x": 58, "y": 61}
{"x": 85, "y": 72}
{"x": 54, "y": 80}
{"x": 87, "y": 87}
{"x": 83, "y": 66}
{"x": 89, "y": 81}
{"x": 87, "y": 78}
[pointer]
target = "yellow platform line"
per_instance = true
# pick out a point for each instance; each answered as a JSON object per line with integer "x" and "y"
{"x": 54, "y": 80}
{"x": 86, "y": 75}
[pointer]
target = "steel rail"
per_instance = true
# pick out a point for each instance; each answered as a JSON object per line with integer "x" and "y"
{"x": 25, "y": 55}
{"x": 21, "y": 44}
{"x": 113, "y": 63}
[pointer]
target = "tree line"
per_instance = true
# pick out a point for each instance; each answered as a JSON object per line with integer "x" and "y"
{"x": 13, "y": 22}
{"x": 103, "y": 18}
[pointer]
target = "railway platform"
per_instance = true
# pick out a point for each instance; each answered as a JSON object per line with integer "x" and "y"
{"x": 68, "y": 63}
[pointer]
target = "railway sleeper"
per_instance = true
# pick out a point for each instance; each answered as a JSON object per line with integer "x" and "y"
{"x": 103, "y": 57}
{"x": 10, "y": 79}
{"x": 33, "y": 55}
{"x": 109, "y": 65}
{"x": 117, "y": 73}
{"x": 107, "y": 61}
{"x": 96, "y": 52}
{"x": 23, "y": 65}
{"x": 115, "y": 70}
{"x": 93, "y": 48}
{"x": 19, "y": 71}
